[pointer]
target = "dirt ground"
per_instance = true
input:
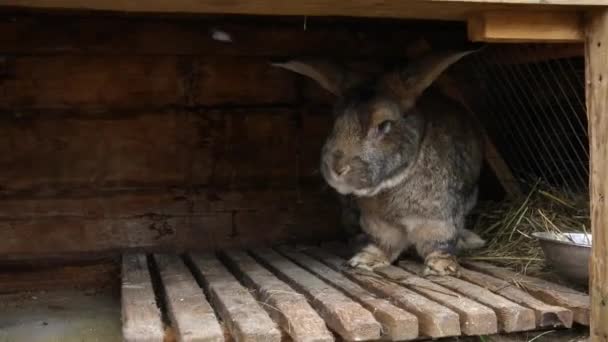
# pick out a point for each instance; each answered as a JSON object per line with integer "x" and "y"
{"x": 66, "y": 316}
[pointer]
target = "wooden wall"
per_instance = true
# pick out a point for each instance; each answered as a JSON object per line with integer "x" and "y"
{"x": 139, "y": 132}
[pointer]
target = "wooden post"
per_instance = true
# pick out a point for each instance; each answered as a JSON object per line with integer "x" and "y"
{"x": 596, "y": 58}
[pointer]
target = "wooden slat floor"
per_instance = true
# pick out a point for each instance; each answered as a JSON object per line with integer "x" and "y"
{"x": 305, "y": 294}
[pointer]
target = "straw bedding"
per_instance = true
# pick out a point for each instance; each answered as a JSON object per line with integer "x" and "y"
{"x": 507, "y": 227}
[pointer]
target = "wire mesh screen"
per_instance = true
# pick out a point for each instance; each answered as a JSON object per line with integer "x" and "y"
{"x": 532, "y": 103}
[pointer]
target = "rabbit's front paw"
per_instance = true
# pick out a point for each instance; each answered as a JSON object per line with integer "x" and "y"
{"x": 441, "y": 264}
{"x": 369, "y": 258}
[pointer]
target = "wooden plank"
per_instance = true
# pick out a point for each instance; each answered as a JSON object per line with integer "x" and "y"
{"x": 178, "y": 201}
{"x": 65, "y": 236}
{"x": 475, "y": 319}
{"x": 87, "y": 153}
{"x": 93, "y": 274}
{"x": 596, "y": 74}
{"x": 511, "y": 316}
{"x": 245, "y": 319}
{"x": 90, "y": 82}
{"x": 97, "y": 83}
{"x": 288, "y": 308}
{"x": 349, "y": 319}
{"x": 424, "y": 9}
{"x": 397, "y": 324}
{"x": 547, "y": 316}
{"x": 434, "y": 320}
{"x": 548, "y": 292}
{"x": 141, "y": 317}
{"x": 192, "y": 318}
{"x": 50, "y": 153}
{"x": 526, "y": 26}
{"x": 267, "y": 37}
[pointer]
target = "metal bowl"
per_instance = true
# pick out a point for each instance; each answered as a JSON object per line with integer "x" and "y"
{"x": 567, "y": 253}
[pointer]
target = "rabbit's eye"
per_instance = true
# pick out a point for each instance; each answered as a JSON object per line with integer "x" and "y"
{"x": 385, "y": 126}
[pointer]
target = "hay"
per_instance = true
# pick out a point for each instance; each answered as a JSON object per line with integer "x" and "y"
{"x": 508, "y": 227}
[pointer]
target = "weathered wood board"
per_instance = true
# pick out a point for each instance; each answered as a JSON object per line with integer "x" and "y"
{"x": 286, "y": 306}
{"x": 397, "y": 324}
{"x": 511, "y": 316}
{"x": 191, "y": 314}
{"x": 343, "y": 315}
{"x": 434, "y": 320}
{"x": 244, "y": 317}
{"x": 141, "y": 317}
{"x": 577, "y": 302}
{"x": 546, "y": 315}
{"x": 475, "y": 319}
{"x": 305, "y": 293}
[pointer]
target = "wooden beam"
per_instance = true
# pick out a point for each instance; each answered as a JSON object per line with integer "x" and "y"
{"x": 341, "y": 314}
{"x": 141, "y": 317}
{"x": 419, "y": 9}
{"x": 596, "y": 57}
{"x": 238, "y": 309}
{"x": 92, "y": 275}
{"x": 546, "y": 315}
{"x": 511, "y": 316}
{"x": 475, "y": 319}
{"x": 546, "y": 291}
{"x": 397, "y": 324}
{"x": 192, "y": 317}
{"x": 288, "y": 308}
{"x": 434, "y": 320}
{"x": 521, "y": 27}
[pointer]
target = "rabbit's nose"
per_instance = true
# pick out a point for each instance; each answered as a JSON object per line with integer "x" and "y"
{"x": 338, "y": 164}
{"x": 341, "y": 170}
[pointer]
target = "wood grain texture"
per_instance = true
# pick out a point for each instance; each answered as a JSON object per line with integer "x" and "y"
{"x": 287, "y": 307}
{"x": 525, "y": 27}
{"x": 596, "y": 57}
{"x": 511, "y": 316}
{"x": 98, "y": 83}
{"x": 548, "y": 292}
{"x": 546, "y": 315}
{"x": 344, "y": 316}
{"x": 192, "y": 317}
{"x": 154, "y": 188}
{"x": 434, "y": 320}
{"x": 47, "y": 34}
{"x": 219, "y": 148}
{"x": 475, "y": 319}
{"x": 239, "y": 310}
{"x": 66, "y": 236}
{"x": 397, "y": 324}
{"x": 141, "y": 317}
{"x": 90, "y": 275}
{"x": 424, "y": 9}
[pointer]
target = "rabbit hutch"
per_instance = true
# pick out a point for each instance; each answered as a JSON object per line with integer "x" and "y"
{"x": 160, "y": 175}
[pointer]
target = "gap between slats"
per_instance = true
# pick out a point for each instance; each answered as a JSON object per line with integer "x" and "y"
{"x": 297, "y": 293}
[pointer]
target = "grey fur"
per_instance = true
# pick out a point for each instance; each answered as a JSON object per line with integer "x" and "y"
{"x": 410, "y": 157}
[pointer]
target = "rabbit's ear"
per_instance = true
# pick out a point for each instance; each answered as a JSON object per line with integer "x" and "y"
{"x": 332, "y": 77}
{"x": 409, "y": 82}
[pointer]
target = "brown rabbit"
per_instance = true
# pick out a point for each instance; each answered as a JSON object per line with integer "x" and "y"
{"x": 411, "y": 158}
